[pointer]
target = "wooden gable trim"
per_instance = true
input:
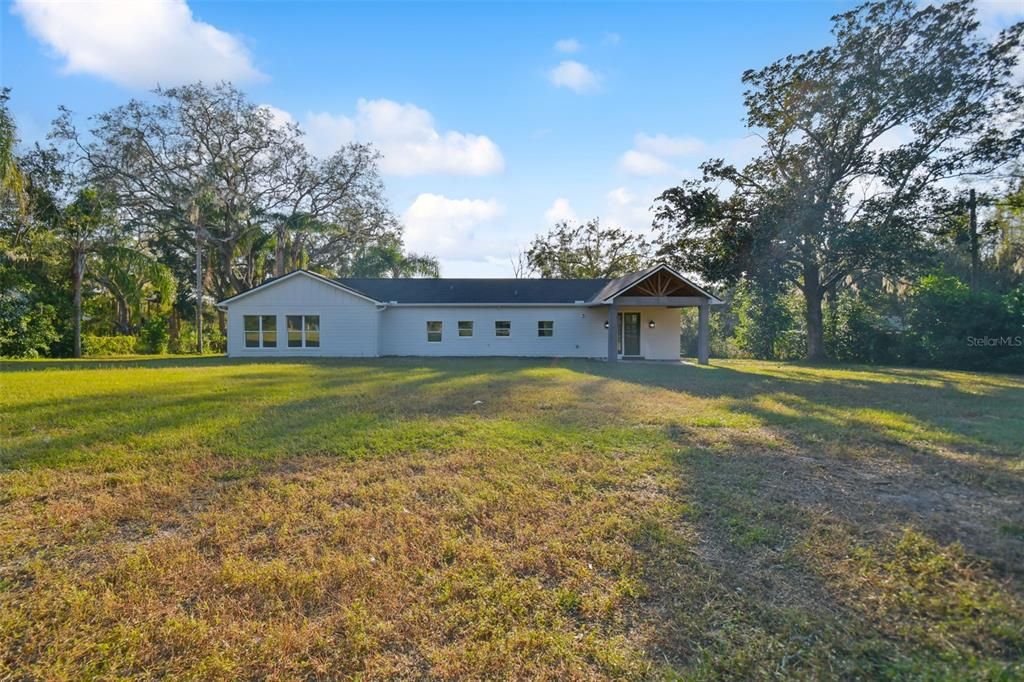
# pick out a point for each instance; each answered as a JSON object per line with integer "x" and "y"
{"x": 663, "y": 282}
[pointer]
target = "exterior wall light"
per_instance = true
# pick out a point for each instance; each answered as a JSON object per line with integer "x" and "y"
{"x": 650, "y": 323}
{"x": 606, "y": 324}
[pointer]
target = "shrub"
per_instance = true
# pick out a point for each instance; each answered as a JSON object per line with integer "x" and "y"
{"x": 213, "y": 341}
{"x": 154, "y": 337}
{"x": 94, "y": 346}
{"x": 948, "y": 326}
{"x": 763, "y": 321}
{"x": 855, "y": 331}
{"x": 27, "y": 329}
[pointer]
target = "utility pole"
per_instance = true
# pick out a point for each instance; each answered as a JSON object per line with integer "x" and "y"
{"x": 975, "y": 256}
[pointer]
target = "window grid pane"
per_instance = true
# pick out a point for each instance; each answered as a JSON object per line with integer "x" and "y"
{"x": 312, "y": 329}
{"x": 546, "y": 328}
{"x": 433, "y": 331}
{"x": 465, "y": 328}
{"x": 269, "y": 323}
{"x": 252, "y": 331}
{"x": 294, "y": 324}
{"x": 503, "y": 328}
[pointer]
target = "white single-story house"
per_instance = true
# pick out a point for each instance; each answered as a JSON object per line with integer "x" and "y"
{"x": 302, "y": 313}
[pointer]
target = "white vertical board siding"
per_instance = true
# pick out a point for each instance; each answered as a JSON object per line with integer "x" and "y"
{"x": 348, "y": 323}
{"x": 351, "y": 326}
{"x": 579, "y": 332}
{"x": 662, "y": 342}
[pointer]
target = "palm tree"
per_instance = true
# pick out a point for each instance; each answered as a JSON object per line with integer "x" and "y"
{"x": 12, "y": 180}
{"x": 135, "y": 280}
{"x": 388, "y": 260}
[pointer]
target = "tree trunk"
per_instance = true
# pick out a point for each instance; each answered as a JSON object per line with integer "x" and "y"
{"x": 279, "y": 251}
{"x": 124, "y": 325}
{"x": 975, "y": 249}
{"x": 813, "y": 294}
{"x": 199, "y": 292}
{"x": 77, "y": 273}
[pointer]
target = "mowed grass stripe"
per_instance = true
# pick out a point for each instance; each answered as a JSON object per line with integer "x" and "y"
{"x": 454, "y": 518}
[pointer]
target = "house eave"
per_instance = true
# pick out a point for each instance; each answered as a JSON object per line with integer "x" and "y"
{"x": 222, "y": 305}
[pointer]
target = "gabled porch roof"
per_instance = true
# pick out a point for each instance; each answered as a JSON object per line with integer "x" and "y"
{"x": 659, "y": 283}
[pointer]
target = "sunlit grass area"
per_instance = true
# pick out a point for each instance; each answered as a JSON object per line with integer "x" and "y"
{"x": 451, "y": 518}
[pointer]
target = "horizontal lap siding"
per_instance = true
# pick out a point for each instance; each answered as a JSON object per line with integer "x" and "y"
{"x": 348, "y": 324}
{"x": 579, "y": 332}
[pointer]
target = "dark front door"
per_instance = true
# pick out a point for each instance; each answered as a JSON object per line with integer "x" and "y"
{"x": 629, "y": 323}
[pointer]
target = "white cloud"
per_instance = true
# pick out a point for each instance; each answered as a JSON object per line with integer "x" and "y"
{"x": 644, "y": 164}
{"x": 446, "y": 227}
{"x": 278, "y": 117}
{"x": 995, "y": 15}
{"x": 575, "y": 76}
{"x": 326, "y": 133}
{"x": 663, "y": 145}
{"x": 137, "y": 44}
{"x": 568, "y": 45}
{"x": 629, "y": 210}
{"x": 612, "y": 39}
{"x": 560, "y": 210}
{"x": 650, "y": 154}
{"x": 620, "y": 196}
{"x": 407, "y": 138}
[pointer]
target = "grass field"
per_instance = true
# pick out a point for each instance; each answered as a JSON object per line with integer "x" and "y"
{"x": 502, "y": 518}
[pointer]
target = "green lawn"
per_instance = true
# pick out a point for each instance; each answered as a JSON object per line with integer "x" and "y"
{"x": 214, "y": 518}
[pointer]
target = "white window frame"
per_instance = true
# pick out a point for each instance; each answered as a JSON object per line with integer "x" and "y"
{"x": 552, "y": 329}
{"x": 459, "y": 327}
{"x": 509, "y": 330}
{"x": 259, "y": 333}
{"x": 304, "y": 343}
{"x": 439, "y": 332}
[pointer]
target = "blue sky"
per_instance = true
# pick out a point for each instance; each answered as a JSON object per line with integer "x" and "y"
{"x": 494, "y": 119}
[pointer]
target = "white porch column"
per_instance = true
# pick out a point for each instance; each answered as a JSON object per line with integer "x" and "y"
{"x": 703, "y": 333}
{"x": 613, "y": 333}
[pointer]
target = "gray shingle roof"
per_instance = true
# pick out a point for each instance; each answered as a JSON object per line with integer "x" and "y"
{"x": 479, "y": 291}
{"x": 421, "y": 290}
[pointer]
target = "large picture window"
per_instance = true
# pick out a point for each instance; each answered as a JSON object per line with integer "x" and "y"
{"x": 260, "y": 331}
{"x": 303, "y": 331}
{"x": 546, "y": 328}
{"x": 434, "y": 331}
{"x": 503, "y": 328}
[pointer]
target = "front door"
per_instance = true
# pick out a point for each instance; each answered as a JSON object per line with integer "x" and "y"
{"x": 629, "y": 329}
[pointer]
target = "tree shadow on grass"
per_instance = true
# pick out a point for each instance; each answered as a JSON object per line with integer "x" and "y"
{"x": 752, "y": 578}
{"x": 802, "y": 566}
{"x": 341, "y": 408}
{"x": 969, "y": 415}
{"x": 874, "y": 535}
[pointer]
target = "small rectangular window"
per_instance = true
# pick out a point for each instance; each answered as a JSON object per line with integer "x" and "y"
{"x": 434, "y": 331}
{"x": 294, "y": 326}
{"x": 252, "y": 331}
{"x": 269, "y": 330}
{"x": 465, "y": 327}
{"x": 503, "y": 328}
{"x": 312, "y": 328}
{"x": 546, "y": 328}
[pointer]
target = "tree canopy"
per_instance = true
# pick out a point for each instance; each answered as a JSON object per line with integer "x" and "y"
{"x": 859, "y": 138}
{"x": 587, "y": 250}
{"x": 160, "y": 204}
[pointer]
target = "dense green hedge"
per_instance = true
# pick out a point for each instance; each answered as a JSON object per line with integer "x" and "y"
{"x": 108, "y": 345}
